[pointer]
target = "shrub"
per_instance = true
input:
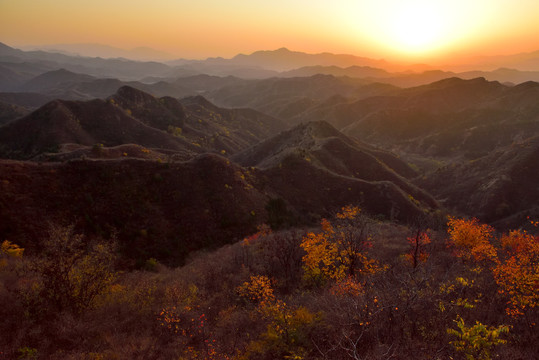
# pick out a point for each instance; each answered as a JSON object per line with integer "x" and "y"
{"x": 69, "y": 274}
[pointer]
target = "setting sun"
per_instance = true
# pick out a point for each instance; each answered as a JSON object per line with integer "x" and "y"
{"x": 417, "y": 27}
{"x": 416, "y": 30}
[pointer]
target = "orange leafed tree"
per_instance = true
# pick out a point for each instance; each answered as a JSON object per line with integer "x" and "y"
{"x": 257, "y": 290}
{"x": 518, "y": 275}
{"x": 321, "y": 261}
{"x": 471, "y": 239}
{"x": 340, "y": 250}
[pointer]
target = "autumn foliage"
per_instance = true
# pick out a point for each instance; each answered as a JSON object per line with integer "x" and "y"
{"x": 517, "y": 273}
{"x": 354, "y": 288}
{"x": 471, "y": 239}
{"x": 339, "y": 250}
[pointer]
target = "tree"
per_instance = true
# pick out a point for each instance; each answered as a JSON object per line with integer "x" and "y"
{"x": 418, "y": 253}
{"x": 518, "y": 276}
{"x": 471, "y": 239}
{"x": 477, "y": 341}
{"x": 339, "y": 251}
{"x": 71, "y": 273}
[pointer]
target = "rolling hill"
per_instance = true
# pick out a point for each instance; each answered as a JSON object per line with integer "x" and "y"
{"x": 314, "y": 165}
{"x": 499, "y": 188}
{"x": 132, "y": 116}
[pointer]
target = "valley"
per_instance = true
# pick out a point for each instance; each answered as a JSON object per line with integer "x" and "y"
{"x": 307, "y": 200}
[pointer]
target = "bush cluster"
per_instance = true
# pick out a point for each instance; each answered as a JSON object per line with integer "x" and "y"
{"x": 355, "y": 288}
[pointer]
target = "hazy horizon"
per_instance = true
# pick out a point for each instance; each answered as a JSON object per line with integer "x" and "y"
{"x": 417, "y": 31}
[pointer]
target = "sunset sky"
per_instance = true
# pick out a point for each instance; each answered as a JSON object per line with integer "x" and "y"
{"x": 414, "y": 30}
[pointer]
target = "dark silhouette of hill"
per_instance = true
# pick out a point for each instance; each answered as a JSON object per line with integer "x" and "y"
{"x": 29, "y": 101}
{"x": 162, "y": 210}
{"x": 68, "y": 85}
{"x": 352, "y": 71}
{"x": 16, "y": 105}
{"x": 499, "y": 188}
{"x": 10, "y": 112}
{"x": 117, "y": 68}
{"x": 202, "y": 83}
{"x": 86, "y": 123}
{"x": 316, "y": 154}
{"x": 10, "y": 78}
{"x": 272, "y": 93}
{"x": 522, "y": 61}
{"x": 504, "y": 75}
{"x": 222, "y": 68}
{"x": 283, "y": 59}
{"x": 446, "y": 118}
{"x": 53, "y": 79}
{"x": 132, "y": 116}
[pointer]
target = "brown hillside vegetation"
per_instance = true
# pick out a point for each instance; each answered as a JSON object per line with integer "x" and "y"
{"x": 159, "y": 209}
{"x": 167, "y": 209}
{"x": 354, "y": 288}
{"x": 318, "y": 160}
{"x": 10, "y": 112}
{"x": 499, "y": 188}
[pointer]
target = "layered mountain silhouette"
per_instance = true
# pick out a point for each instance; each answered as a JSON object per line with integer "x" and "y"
{"x": 173, "y": 158}
{"x": 450, "y": 117}
{"x": 105, "y": 51}
{"x": 37, "y": 62}
{"x": 132, "y": 116}
{"x": 333, "y": 168}
{"x": 500, "y": 188}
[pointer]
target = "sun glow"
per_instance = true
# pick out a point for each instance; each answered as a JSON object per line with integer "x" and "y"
{"x": 417, "y": 28}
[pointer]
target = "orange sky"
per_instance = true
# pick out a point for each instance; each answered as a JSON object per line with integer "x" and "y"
{"x": 405, "y": 30}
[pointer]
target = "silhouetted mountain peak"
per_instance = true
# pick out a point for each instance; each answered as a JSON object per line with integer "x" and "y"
{"x": 198, "y": 100}
{"x": 132, "y": 95}
{"x": 7, "y": 50}
{"x": 51, "y": 81}
{"x": 527, "y": 85}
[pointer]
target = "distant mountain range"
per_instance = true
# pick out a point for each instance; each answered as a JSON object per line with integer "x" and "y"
{"x": 156, "y": 152}
{"x": 17, "y": 66}
{"x": 104, "y": 51}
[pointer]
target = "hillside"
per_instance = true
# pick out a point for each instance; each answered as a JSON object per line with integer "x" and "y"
{"x": 163, "y": 210}
{"x": 134, "y": 117}
{"x": 317, "y": 160}
{"x": 94, "y": 66}
{"x": 267, "y": 94}
{"x": 61, "y": 78}
{"x": 158, "y": 204}
{"x": 87, "y": 123}
{"x": 499, "y": 188}
{"x": 10, "y": 112}
{"x": 451, "y": 117}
